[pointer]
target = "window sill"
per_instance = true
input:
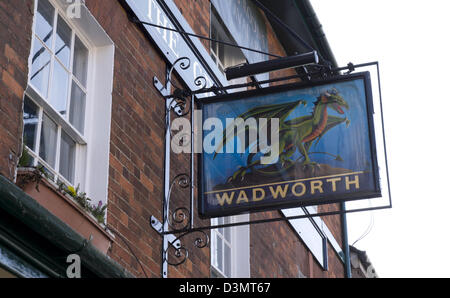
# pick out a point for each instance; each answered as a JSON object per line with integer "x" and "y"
{"x": 66, "y": 210}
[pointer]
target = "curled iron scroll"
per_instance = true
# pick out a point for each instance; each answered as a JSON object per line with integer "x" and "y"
{"x": 180, "y": 254}
{"x": 184, "y": 63}
{"x": 179, "y": 218}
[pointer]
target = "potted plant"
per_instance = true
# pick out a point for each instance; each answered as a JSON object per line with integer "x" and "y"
{"x": 66, "y": 202}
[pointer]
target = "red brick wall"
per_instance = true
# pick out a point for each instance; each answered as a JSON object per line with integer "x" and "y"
{"x": 333, "y": 221}
{"x": 136, "y": 175}
{"x": 16, "y": 18}
{"x": 197, "y": 13}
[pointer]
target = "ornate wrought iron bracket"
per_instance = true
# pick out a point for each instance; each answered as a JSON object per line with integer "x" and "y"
{"x": 178, "y": 221}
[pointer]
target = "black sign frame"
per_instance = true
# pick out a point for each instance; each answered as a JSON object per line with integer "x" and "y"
{"x": 204, "y": 213}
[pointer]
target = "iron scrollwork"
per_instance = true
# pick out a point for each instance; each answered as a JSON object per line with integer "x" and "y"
{"x": 178, "y": 221}
{"x": 181, "y": 254}
{"x": 180, "y": 104}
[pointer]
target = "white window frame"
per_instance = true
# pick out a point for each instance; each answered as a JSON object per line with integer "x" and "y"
{"x": 42, "y": 102}
{"x": 226, "y": 38}
{"x": 315, "y": 234}
{"x": 92, "y": 147}
{"x": 240, "y": 249}
{"x": 214, "y": 247}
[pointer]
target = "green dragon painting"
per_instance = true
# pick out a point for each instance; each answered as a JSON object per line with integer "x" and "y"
{"x": 295, "y": 135}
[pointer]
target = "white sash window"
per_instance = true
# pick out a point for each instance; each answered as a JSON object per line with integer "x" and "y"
{"x": 67, "y": 105}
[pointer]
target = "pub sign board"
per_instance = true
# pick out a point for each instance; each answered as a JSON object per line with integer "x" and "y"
{"x": 288, "y": 146}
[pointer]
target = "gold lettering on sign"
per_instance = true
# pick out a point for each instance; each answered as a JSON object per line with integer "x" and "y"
{"x": 333, "y": 183}
{"x": 262, "y": 194}
{"x": 316, "y": 185}
{"x": 225, "y": 197}
{"x": 355, "y": 182}
{"x": 294, "y": 189}
{"x": 278, "y": 191}
{"x": 242, "y": 197}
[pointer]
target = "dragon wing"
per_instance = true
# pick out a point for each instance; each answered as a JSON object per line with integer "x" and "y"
{"x": 280, "y": 111}
{"x": 297, "y": 122}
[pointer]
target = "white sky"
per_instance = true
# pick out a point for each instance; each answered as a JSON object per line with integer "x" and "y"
{"x": 410, "y": 39}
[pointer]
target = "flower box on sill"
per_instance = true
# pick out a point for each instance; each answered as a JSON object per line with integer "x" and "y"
{"x": 47, "y": 194}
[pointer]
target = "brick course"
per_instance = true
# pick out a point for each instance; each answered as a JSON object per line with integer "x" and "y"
{"x": 15, "y": 43}
{"x": 136, "y": 158}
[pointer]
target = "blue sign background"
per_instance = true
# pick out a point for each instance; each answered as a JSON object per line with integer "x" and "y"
{"x": 350, "y": 143}
{"x": 346, "y": 150}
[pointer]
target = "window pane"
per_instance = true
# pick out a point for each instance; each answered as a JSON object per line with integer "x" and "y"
{"x": 80, "y": 61}
{"x": 220, "y": 222}
{"x": 31, "y": 120}
{"x": 219, "y": 253}
{"x": 47, "y": 149}
{"x": 67, "y": 157}
{"x": 63, "y": 42}
{"x": 222, "y": 53}
{"x": 227, "y": 234}
{"x": 44, "y": 21}
{"x": 213, "y": 249}
{"x": 59, "y": 86}
{"x": 77, "y": 107}
{"x": 40, "y": 68}
{"x": 214, "y": 45}
{"x": 227, "y": 261}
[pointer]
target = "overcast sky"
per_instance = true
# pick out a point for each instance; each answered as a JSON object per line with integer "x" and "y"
{"x": 410, "y": 40}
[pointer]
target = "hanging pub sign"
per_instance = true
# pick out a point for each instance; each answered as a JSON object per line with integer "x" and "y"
{"x": 288, "y": 146}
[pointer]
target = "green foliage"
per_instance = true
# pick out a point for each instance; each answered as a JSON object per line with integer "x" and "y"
{"x": 98, "y": 211}
{"x": 81, "y": 198}
{"x": 26, "y": 159}
{"x": 34, "y": 176}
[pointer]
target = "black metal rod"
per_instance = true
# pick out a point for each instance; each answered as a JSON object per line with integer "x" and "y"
{"x": 135, "y": 20}
{"x": 384, "y": 135}
{"x": 346, "y": 248}
{"x": 260, "y": 221}
{"x": 298, "y": 76}
{"x": 192, "y": 167}
{"x": 245, "y": 70}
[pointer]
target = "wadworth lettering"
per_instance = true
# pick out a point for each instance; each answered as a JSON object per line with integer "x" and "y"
{"x": 323, "y": 151}
{"x": 277, "y": 192}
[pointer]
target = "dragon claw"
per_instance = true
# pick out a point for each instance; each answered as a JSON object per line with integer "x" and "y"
{"x": 239, "y": 175}
{"x": 286, "y": 163}
{"x": 311, "y": 166}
